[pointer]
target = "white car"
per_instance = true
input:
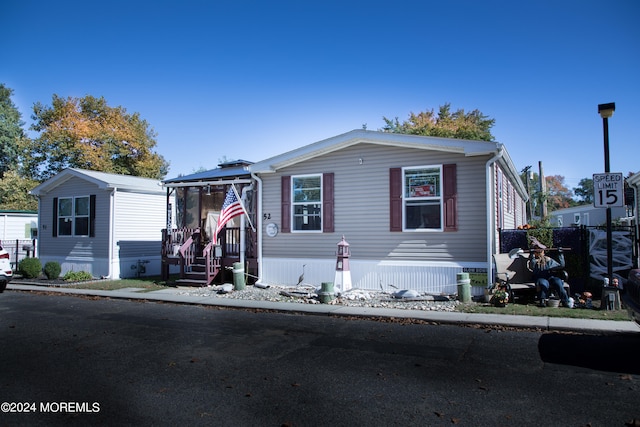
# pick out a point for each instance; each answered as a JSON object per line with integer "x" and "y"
{"x": 6, "y": 274}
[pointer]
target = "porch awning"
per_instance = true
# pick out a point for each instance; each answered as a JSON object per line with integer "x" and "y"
{"x": 204, "y": 183}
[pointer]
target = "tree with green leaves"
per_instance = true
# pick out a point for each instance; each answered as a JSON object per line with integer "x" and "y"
{"x": 14, "y": 192}
{"x": 11, "y": 131}
{"x": 584, "y": 190}
{"x": 458, "y": 124}
{"x": 87, "y": 133}
{"x": 14, "y": 188}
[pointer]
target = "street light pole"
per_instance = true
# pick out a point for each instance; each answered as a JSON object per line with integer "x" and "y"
{"x": 606, "y": 111}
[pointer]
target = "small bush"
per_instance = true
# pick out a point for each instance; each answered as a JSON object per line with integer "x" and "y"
{"x": 52, "y": 270}
{"x": 77, "y": 276}
{"x": 30, "y": 268}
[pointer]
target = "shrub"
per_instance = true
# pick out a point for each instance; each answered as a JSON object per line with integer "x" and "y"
{"x": 30, "y": 268}
{"x": 77, "y": 276}
{"x": 52, "y": 270}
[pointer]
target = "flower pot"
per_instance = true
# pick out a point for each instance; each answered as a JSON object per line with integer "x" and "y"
{"x": 553, "y": 303}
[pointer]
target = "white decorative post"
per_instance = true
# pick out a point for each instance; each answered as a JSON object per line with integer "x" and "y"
{"x": 342, "y": 280}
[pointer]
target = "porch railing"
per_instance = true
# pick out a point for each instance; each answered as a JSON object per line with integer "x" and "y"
{"x": 19, "y": 250}
{"x": 182, "y": 246}
{"x": 212, "y": 260}
{"x": 173, "y": 239}
{"x": 229, "y": 240}
{"x": 188, "y": 251}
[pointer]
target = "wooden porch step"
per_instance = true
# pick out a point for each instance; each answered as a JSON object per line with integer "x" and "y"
{"x": 196, "y": 277}
{"x": 191, "y": 282}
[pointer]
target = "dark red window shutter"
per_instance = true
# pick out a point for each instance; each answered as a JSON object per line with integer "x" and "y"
{"x": 395, "y": 199}
{"x": 92, "y": 215}
{"x": 285, "y": 203}
{"x": 327, "y": 203}
{"x": 54, "y": 228}
{"x": 450, "y": 197}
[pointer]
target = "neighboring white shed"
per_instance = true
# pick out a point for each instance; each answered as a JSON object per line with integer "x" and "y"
{"x": 106, "y": 224}
{"x": 18, "y": 230}
{"x": 18, "y": 225}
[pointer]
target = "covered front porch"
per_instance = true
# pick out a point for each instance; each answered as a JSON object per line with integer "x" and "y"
{"x": 192, "y": 243}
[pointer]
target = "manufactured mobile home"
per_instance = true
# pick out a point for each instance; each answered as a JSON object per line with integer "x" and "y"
{"x": 106, "y": 224}
{"x": 414, "y": 210}
{"x": 587, "y": 215}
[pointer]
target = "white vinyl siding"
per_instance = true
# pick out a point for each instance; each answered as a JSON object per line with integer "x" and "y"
{"x": 138, "y": 223}
{"x": 18, "y": 226}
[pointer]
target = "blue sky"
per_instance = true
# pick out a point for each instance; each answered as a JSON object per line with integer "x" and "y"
{"x": 252, "y": 79}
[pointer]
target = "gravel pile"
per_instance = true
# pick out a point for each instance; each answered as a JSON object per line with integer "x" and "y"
{"x": 407, "y": 300}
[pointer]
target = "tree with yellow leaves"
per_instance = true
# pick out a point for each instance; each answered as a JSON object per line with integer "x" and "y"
{"x": 458, "y": 124}
{"x": 87, "y": 133}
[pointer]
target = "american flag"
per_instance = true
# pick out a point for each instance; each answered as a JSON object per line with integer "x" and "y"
{"x": 231, "y": 208}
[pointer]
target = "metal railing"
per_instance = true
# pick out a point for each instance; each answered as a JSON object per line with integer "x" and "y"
{"x": 19, "y": 250}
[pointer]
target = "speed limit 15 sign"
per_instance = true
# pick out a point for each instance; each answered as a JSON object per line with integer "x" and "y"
{"x": 608, "y": 190}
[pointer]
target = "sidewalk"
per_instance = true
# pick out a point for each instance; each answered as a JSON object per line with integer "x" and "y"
{"x": 541, "y": 322}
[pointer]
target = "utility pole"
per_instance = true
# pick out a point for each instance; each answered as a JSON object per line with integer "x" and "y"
{"x": 543, "y": 193}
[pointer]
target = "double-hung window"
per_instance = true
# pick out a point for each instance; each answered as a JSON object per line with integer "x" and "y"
{"x": 306, "y": 202}
{"x": 422, "y": 198}
{"x": 73, "y": 216}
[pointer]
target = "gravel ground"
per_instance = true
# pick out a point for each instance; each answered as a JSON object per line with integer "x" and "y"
{"x": 305, "y": 294}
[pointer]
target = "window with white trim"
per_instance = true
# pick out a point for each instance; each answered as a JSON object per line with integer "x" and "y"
{"x": 422, "y": 198}
{"x": 73, "y": 216}
{"x": 306, "y": 191}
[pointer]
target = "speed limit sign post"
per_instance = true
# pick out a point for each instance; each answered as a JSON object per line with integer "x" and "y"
{"x": 608, "y": 190}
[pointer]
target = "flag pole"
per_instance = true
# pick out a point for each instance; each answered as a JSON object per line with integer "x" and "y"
{"x": 243, "y": 208}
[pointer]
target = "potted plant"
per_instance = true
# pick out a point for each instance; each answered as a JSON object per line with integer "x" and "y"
{"x": 500, "y": 297}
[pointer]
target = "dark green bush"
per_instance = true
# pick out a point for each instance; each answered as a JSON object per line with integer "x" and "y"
{"x": 77, "y": 276}
{"x": 52, "y": 270}
{"x": 30, "y": 268}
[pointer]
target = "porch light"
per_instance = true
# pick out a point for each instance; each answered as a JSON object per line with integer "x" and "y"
{"x": 208, "y": 189}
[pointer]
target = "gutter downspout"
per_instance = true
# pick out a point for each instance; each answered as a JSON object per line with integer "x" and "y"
{"x": 259, "y": 220}
{"x": 490, "y": 226}
{"x": 112, "y": 236}
{"x": 243, "y": 246}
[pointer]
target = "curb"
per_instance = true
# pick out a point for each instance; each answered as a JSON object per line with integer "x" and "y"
{"x": 546, "y": 323}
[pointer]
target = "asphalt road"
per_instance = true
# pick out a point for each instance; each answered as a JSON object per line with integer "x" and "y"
{"x": 68, "y": 360}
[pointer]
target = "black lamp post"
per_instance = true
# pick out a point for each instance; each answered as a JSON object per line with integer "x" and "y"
{"x": 606, "y": 111}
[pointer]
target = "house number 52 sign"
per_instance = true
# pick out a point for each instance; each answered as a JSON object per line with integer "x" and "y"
{"x": 608, "y": 190}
